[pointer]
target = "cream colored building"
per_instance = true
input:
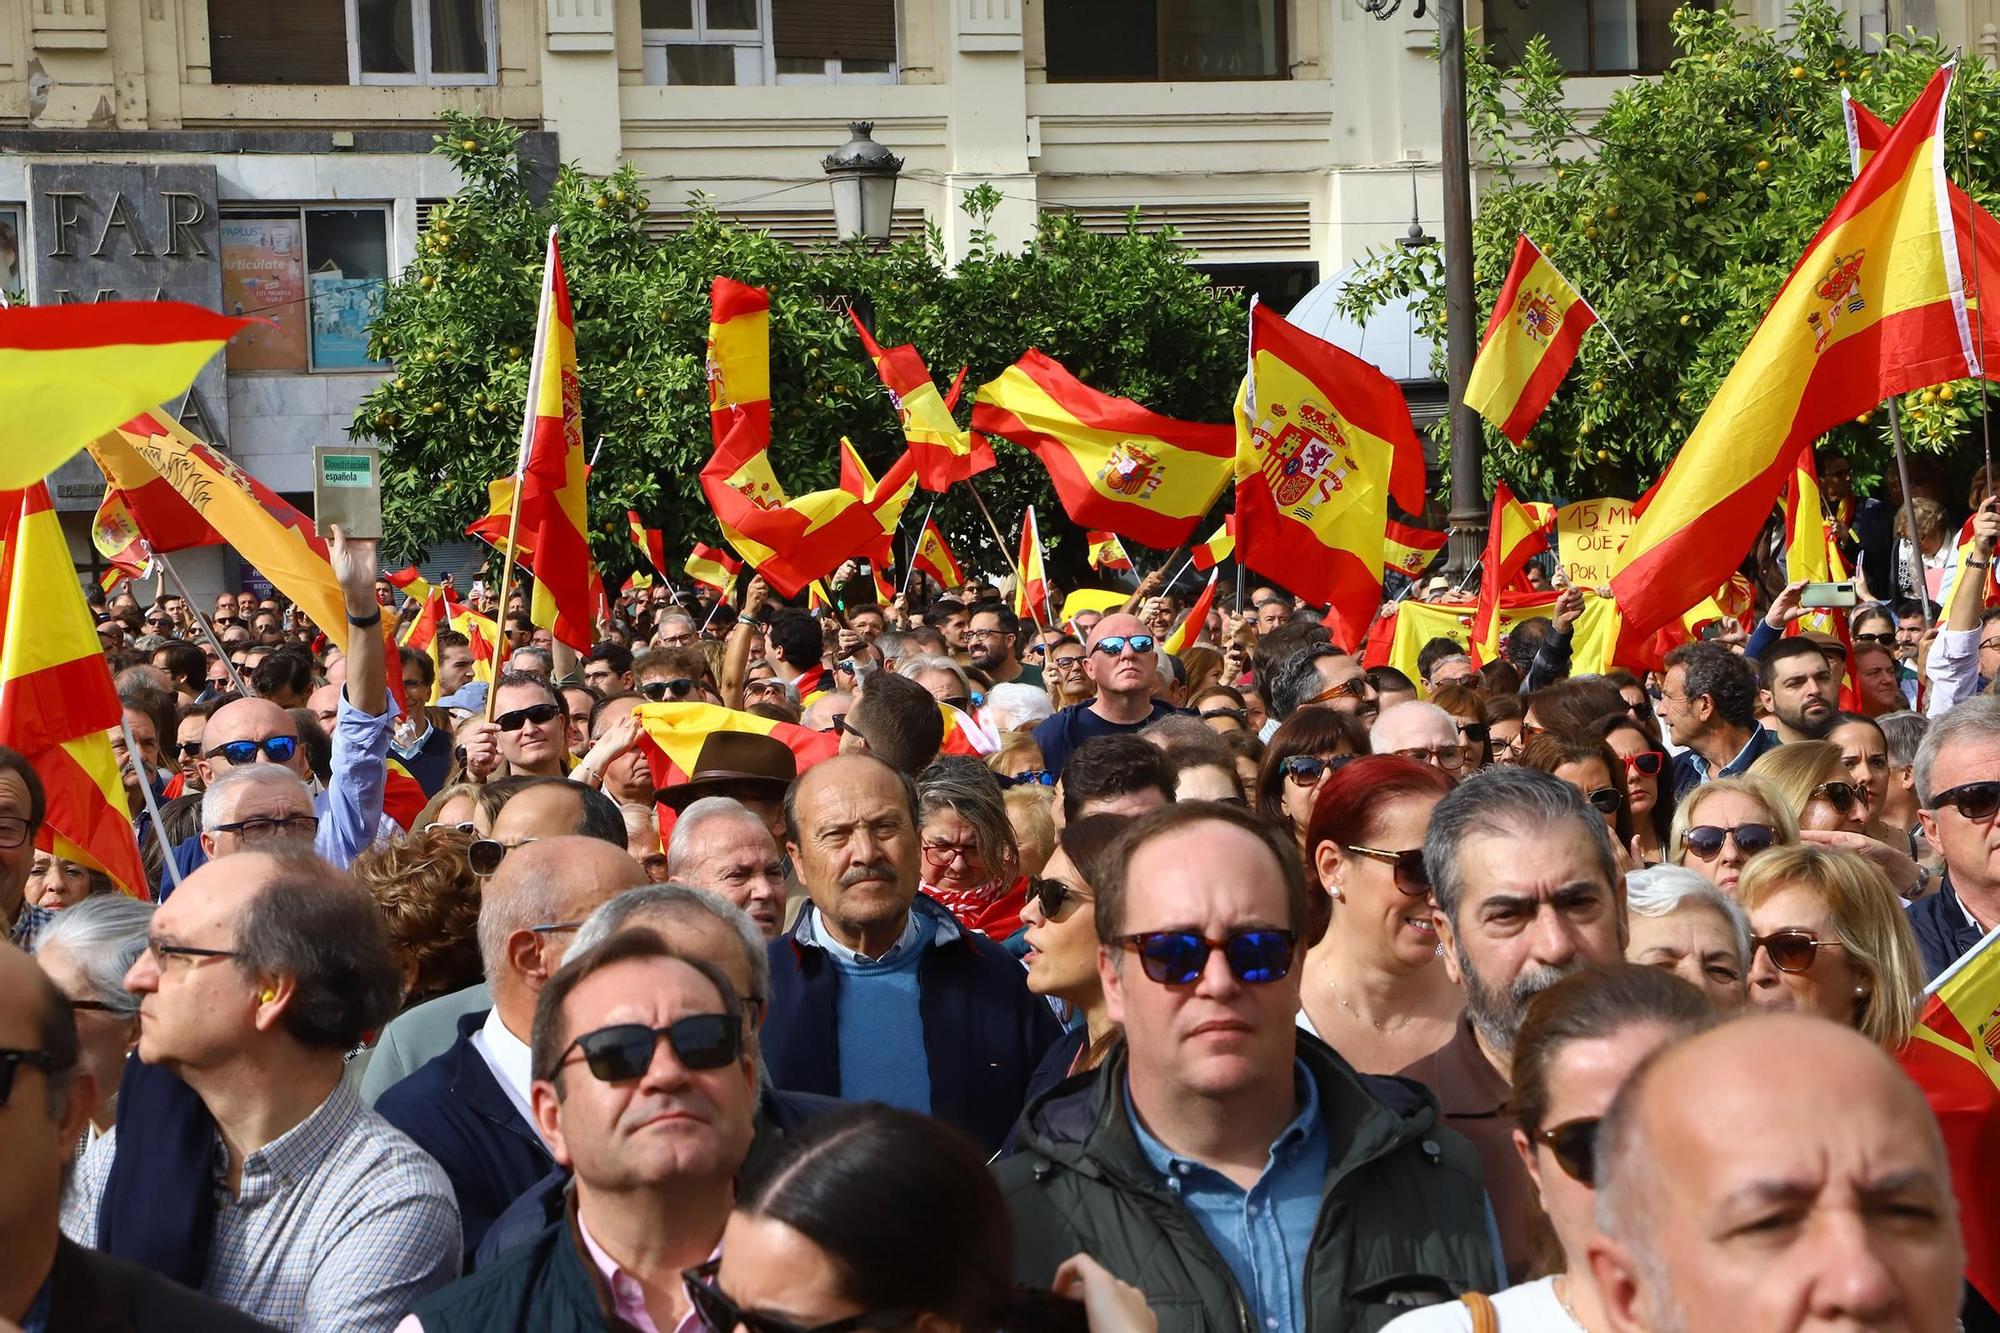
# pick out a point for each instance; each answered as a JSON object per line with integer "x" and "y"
{"x": 1282, "y": 137}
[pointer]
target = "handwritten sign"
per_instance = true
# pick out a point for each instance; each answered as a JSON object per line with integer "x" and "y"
{"x": 1588, "y": 535}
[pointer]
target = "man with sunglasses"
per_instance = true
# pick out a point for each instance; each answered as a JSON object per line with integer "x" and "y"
{"x": 1123, "y": 663}
{"x": 1236, "y": 1172}
{"x": 1321, "y": 676}
{"x": 1957, "y": 775}
{"x": 1708, "y": 700}
{"x": 645, "y": 1087}
{"x": 529, "y": 726}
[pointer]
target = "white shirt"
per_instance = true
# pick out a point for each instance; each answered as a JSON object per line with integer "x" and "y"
{"x": 510, "y": 1060}
{"x": 1531, "y": 1307}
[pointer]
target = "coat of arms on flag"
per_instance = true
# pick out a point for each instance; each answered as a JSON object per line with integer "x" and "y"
{"x": 1131, "y": 470}
{"x": 1308, "y": 459}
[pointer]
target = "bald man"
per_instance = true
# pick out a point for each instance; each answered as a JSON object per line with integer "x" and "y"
{"x": 469, "y": 1108}
{"x": 1751, "y": 1208}
{"x": 1123, "y": 662}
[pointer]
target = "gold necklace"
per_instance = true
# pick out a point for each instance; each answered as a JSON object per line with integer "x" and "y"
{"x": 1341, "y": 1000}
{"x": 1561, "y": 1286}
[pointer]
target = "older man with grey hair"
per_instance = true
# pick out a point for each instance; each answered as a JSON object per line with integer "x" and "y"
{"x": 721, "y": 845}
{"x": 697, "y": 924}
{"x": 469, "y": 1108}
{"x": 255, "y": 805}
{"x": 1420, "y": 731}
{"x": 87, "y": 950}
{"x": 1527, "y": 887}
{"x": 1958, "y": 799}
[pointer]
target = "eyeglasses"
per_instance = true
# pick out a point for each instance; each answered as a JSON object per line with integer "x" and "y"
{"x": 1306, "y": 769}
{"x": 1179, "y": 957}
{"x": 485, "y": 855}
{"x": 1068, "y": 663}
{"x": 1527, "y": 733}
{"x": 269, "y": 826}
{"x": 1574, "y": 1146}
{"x": 11, "y": 1060}
{"x": 1887, "y": 638}
{"x": 680, "y": 687}
{"x": 624, "y": 1051}
{"x": 1052, "y": 895}
{"x": 962, "y": 702}
{"x": 81, "y": 1006}
{"x": 1354, "y": 687}
{"x": 940, "y": 855}
{"x": 539, "y": 714}
{"x": 1034, "y": 777}
{"x": 1841, "y": 795}
{"x": 717, "y": 1311}
{"x": 985, "y": 633}
{"x": 187, "y": 749}
{"x": 1989, "y": 645}
{"x": 277, "y": 749}
{"x": 13, "y": 831}
{"x": 1242, "y": 715}
{"x": 1447, "y": 757}
{"x": 1647, "y": 763}
{"x": 1978, "y": 801}
{"x": 1791, "y": 950}
{"x": 1605, "y": 800}
{"x": 1475, "y": 732}
{"x": 552, "y": 927}
{"x": 162, "y": 952}
{"x": 1113, "y": 644}
{"x": 1412, "y": 877}
{"x": 1705, "y": 840}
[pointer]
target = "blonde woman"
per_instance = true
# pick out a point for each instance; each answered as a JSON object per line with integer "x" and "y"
{"x": 1724, "y": 822}
{"x": 1833, "y": 809}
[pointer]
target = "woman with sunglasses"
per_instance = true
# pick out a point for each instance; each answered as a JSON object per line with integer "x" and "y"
{"x": 1724, "y": 822}
{"x": 1586, "y": 763}
{"x": 1017, "y": 757}
{"x": 1373, "y": 987}
{"x": 1311, "y": 745}
{"x": 1581, "y": 1039}
{"x": 1811, "y": 779}
{"x": 971, "y": 863}
{"x": 1649, "y": 797}
{"x": 1832, "y": 939}
{"x": 875, "y": 1218}
{"x": 1061, "y": 917}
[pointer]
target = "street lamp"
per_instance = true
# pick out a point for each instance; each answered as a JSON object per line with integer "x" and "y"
{"x": 863, "y": 176}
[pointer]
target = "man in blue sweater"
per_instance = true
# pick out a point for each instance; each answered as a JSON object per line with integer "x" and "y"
{"x": 877, "y": 993}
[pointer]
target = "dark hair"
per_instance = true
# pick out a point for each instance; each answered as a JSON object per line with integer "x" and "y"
{"x": 1389, "y": 678}
{"x": 1590, "y": 1004}
{"x": 1501, "y": 676}
{"x": 1711, "y": 670}
{"x": 1188, "y": 742}
{"x": 512, "y": 679}
{"x": 1570, "y": 705}
{"x": 314, "y": 741}
{"x": 1662, "y": 816}
{"x": 1009, "y": 622}
{"x": 1464, "y": 699}
{"x": 1314, "y": 731}
{"x": 796, "y": 639}
{"x": 597, "y": 815}
{"x": 1280, "y": 644}
{"x": 549, "y": 1037}
{"x": 159, "y": 705}
{"x": 284, "y": 669}
{"x": 1217, "y": 691}
{"x": 319, "y": 927}
{"x": 899, "y": 720}
{"x": 1111, "y": 885}
{"x": 1871, "y": 611}
{"x": 673, "y": 663}
{"x": 184, "y": 662}
{"x": 1296, "y": 679}
{"x": 426, "y": 669}
{"x": 614, "y": 655}
{"x": 450, "y": 638}
{"x": 1784, "y": 650}
{"x": 1525, "y": 640}
{"x": 1437, "y": 650}
{"x": 1106, "y": 766}
{"x": 1089, "y": 843}
{"x": 1504, "y": 708}
{"x": 1552, "y": 749}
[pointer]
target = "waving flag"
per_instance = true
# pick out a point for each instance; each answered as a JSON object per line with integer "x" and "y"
{"x": 481, "y": 634}
{"x": 56, "y": 696}
{"x": 671, "y": 736}
{"x": 1031, "y": 584}
{"x": 887, "y": 506}
{"x": 1106, "y": 551}
{"x": 713, "y": 569}
{"x": 68, "y": 373}
{"x": 1809, "y": 549}
{"x": 652, "y": 542}
{"x": 1195, "y": 622}
{"x": 1537, "y": 326}
{"x": 1115, "y": 464}
{"x": 1218, "y": 548}
{"x": 1409, "y": 550}
{"x": 141, "y": 513}
{"x": 933, "y": 557}
{"x": 739, "y": 363}
{"x": 1875, "y": 307}
{"x": 943, "y": 453}
{"x": 1324, "y": 442}
{"x": 1514, "y": 535}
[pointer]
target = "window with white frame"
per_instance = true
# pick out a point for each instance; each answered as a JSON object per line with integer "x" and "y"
{"x": 434, "y": 42}
{"x": 769, "y": 41}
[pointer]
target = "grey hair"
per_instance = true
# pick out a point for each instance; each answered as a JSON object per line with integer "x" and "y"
{"x": 965, "y": 786}
{"x": 681, "y": 850}
{"x": 1658, "y": 891}
{"x": 617, "y": 913}
{"x": 637, "y": 819}
{"x": 222, "y": 788}
{"x": 1903, "y": 733}
{"x": 669, "y": 617}
{"x": 1014, "y": 705}
{"x": 892, "y": 644}
{"x": 1974, "y": 720}
{"x": 103, "y": 935}
{"x": 511, "y": 902}
{"x": 1296, "y": 679}
{"x": 541, "y": 655}
{"x": 909, "y": 668}
{"x": 1513, "y": 803}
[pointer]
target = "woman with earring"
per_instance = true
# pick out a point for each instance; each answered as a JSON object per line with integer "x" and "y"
{"x": 1374, "y": 987}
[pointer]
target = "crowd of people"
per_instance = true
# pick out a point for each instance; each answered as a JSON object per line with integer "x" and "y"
{"x": 1248, "y": 987}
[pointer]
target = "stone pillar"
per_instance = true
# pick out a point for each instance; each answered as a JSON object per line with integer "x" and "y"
{"x": 987, "y": 135}
{"x": 580, "y": 83}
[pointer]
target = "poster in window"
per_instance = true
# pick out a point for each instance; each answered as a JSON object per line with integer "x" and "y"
{"x": 11, "y": 280}
{"x": 263, "y": 274}
{"x": 342, "y": 310}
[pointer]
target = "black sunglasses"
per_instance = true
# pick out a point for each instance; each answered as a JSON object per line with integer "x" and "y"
{"x": 717, "y": 1311}
{"x": 1705, "y": 840}
{"x": 1052, "y": 895}
{"x": 278, "y": 749}
{"x": 1973, "y": 800}
{"x": 1242, "y": 715}
{"x": 520, "y": 717}
{"x": 680, "y": 687}
{"x": 962, "y": 702}
{"x": 255, "y": 830}
{"x": 1574, "y": 1146}
{"x": 624, "y": 1051}
{"x": 1841, "y": 795}
{"x": 11, "y": 1060}
{"x": 1412, "y": 877}
{"x": 187, "y": 749}
{"x": 1887, "y": 639}
{"x": 1306, "y": 769}
{"x": 1791, "y": 950}
{"x": 1605, "y": 800}
{"x": 485, "y": 854}
{"x": 1179, "y": 957}
{"x": 1034, "y": 777}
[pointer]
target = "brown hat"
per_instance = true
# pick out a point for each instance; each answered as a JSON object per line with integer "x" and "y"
{"x": 735, "y": 761}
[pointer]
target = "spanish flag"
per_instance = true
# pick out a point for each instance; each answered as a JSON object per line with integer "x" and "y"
{"x": 1220, "y": 545}
{"x": 141, "y": 513}
{"x": 713, "y": 569}
{"x": 933, "y": 557}
{"x": 481, "y": 634}
{"x": 887, "y": 506}
{"x": 551, "y": 476}
{"x": 1101, "y": 600}
{"x": 943, "y": 453}
{"x": 1189, "y": 631}
{"x": 1537, "y": 326}
{"x": 1809, "y": 549}
{"x": 1031, "y": 583}
{"x": 68, "y": 373}
{"x": 1875, "y": 308}
{"x": 1115, "y": 464}
{"x": 652, "y": 542}
{"x": 1324, "y": 442}
{"x": 739, "y": 363}
{"x": 884, "y": 592}
{"x": 1514, "y": 536}
{"x": 965, "y": 734}
{"x": 1399, "y": 637}
{"x": 56, "y": 696}
{"x": 434, "y": 615}
{"x": 1409, "y": 550}
{"x": 1106, "y": 551}
{"x": 671, "y": 736}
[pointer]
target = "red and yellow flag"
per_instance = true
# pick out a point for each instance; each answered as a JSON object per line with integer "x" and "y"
{"x": 1537, "y": 326}
{"x": 434, "y": 614}
{"x": 481, "y": 634}
{"x": 1409, "y": 550}
{"x": 1810, "y": 552}
{"x": 884, "y": 592}
{"x": 671, "y": 736}
{"x": 1220, "y": 545}
{"x": 713, "y": 569}
{"x": 885, "y": 504}
{"x": 1398, "y": 638}
{"x": 1031, "y": 585}
{"x": 141, "y": 512}
{"x": 1875, "y": 307}
{"x": 1189, "y": 631}
{"x": 1106, "y": 551}
{"x": 56, "y": 696}
{"x": 652, "y": 542}
{"x": 1324, "y": 441}
{"x": 1115, "y": 464}
{"x": 68, "y": 373}
{"x": 739, "y": 364}
{"x": 942, "y": 452}
{"x": 1514, "y": 535}
{"x": 933, "y": 557}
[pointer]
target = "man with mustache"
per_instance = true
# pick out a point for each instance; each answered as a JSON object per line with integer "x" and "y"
{"x": 877, "y": 993}
{"x": 1527, "y": 889}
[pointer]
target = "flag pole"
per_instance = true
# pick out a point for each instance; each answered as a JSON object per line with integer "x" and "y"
{"x": 1916, "y": 565}
{"x": 200, "y": 620}
{"x": 911, "y": 572}
{"x": 1020, "y": 579}
{"x": 542, "y": 316}
{"x": 152, "y": 807}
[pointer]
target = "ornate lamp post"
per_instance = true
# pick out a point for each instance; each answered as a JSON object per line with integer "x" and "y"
{"x": 863, "y": 176}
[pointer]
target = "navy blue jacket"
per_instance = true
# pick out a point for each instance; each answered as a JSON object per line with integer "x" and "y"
{"x": 1943, "y": 933}
{"x": 984, "y": 1030}
{"x": 1687, "y": 777}
{"x": 457, "y": 1112}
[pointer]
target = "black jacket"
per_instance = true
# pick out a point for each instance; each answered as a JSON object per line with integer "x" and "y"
{"x": 546, "y": 1286}
{"x": 94, "y": 1293}
{"x": 1943, "y": 933}
{"x": 1402, "y": 1222}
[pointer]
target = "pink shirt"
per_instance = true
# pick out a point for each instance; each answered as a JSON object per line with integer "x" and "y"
{"x": 628, "y": 1298}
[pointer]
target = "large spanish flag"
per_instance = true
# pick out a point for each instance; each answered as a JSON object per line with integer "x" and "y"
{"x": 1531, "y": 340}
{"x": 933, "y": 557}
{"x": 1115, "y": 464}
{"x": 68, "y": 373}
{"x": 652, "y": 542}
{"x": 1875, "y": 307}
{"x": 1514, "y": 536}
{"x": 1410, "y": 550}
{"x": 713, "y": 569}
{"x": 56, "y": 696}
{"x": 943, "y": 453}
{"x": 885, "y": 503}
{"x": 1324, "y": 441}
{"x": 1031, "y": 580}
